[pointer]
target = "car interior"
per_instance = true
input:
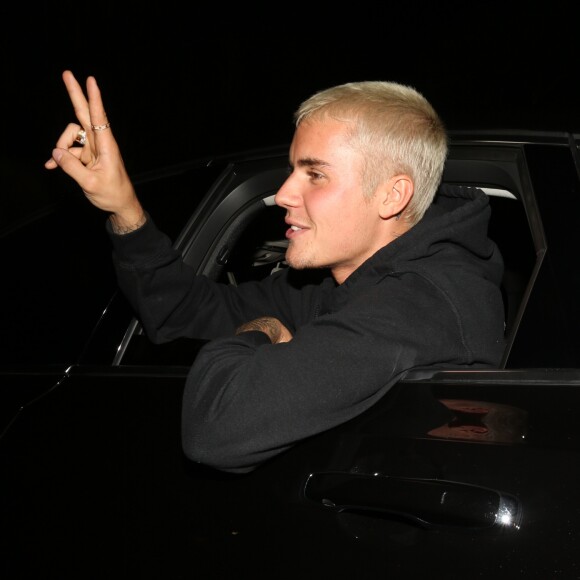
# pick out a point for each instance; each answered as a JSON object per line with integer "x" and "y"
{"x": 251, "y": 245}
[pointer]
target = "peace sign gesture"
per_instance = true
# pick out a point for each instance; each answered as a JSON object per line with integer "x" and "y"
{"x": 97, "y": 166}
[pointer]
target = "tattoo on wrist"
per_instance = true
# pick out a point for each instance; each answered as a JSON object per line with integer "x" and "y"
{"x": 122, "y": 230}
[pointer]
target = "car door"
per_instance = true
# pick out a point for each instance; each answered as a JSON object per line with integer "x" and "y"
{"x": 454, "y": 473}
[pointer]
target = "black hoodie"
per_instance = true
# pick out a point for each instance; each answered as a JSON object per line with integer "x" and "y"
{"x": 430, "y": 298}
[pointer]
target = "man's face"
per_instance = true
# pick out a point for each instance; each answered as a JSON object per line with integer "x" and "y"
{"x": 331, "y": 222}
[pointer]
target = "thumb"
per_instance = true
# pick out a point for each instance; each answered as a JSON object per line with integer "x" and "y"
{"x": 68, "y": 163}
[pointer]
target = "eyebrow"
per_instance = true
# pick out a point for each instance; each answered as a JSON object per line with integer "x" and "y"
{"x": 311, "y": 162}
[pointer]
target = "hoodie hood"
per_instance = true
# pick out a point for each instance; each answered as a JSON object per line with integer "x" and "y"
{"x": 453, "y": 233}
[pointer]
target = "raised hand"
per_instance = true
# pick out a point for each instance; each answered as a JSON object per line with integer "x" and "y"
{"x": 97, "y": 166}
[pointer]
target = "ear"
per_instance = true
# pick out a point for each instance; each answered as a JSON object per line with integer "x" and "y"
{"x": 396, "y": 194}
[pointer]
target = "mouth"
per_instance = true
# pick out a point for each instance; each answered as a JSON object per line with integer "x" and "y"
{"x": 294, "y": 231}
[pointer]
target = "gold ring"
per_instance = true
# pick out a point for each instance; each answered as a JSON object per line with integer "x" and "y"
{"x": 100, "y": 127}
{"x": 81, "y": 137}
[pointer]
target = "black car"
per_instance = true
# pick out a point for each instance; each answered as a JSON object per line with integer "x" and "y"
{"x": 453, "y": 474}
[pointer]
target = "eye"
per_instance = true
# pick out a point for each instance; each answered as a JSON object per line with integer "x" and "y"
{"x": 315, "y": 176}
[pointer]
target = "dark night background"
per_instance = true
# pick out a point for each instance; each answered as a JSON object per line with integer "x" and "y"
{"x": 182, "y": 80}
{"x": 179, "y": 82}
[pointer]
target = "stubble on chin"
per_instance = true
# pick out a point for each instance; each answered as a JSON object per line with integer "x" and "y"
{"x": 298, "y": 260}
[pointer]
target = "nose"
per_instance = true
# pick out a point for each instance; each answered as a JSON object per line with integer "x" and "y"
{"x": 286, "y": 195}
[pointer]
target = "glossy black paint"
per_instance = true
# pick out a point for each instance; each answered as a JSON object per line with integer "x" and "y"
{"x": 94, "y": 484}
{"x": 93, "y": 473}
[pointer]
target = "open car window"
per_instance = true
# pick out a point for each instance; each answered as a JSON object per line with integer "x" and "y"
{"x": 253, "y": 246}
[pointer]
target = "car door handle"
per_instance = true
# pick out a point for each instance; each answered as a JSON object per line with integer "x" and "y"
{"x": 428, "y": 502}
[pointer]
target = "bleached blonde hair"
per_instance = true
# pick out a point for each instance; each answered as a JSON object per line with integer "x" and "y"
{"x": 396, "y": 130}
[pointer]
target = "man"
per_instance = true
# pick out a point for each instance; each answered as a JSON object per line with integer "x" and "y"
{"x": 412, "y": 282}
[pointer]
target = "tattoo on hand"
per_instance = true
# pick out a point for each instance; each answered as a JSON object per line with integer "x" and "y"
{"x": 267, "y": 324}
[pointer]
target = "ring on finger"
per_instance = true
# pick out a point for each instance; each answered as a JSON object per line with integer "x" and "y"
{"x": 81, "y": 137}
{"x": 100, "y": 127}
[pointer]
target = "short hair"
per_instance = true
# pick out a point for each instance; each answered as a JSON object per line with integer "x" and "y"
{"x": 395, "y": 129}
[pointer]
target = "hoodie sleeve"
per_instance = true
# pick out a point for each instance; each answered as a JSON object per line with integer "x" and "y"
{"x": 247, "y": 400}
{"x": 172, "y": 301}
